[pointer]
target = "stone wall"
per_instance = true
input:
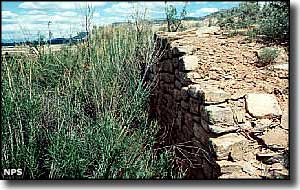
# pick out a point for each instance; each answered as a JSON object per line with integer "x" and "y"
{"x": 209, "y": 127}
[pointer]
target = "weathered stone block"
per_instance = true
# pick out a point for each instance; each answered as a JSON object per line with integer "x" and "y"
{"x": 175, "y": 62}
{"x": 228, "y": 167}
{"x": 222, "y": 128}
{"x": 184, "y": 93}
{"x": 188, "y": 120}
{"x": 183, "y": 78}
{"x": 178, "y": 84}
{"x": 187, "y": 130}
{"x": 194, "y": 105}
{"x": 200, "y": 133}
{"x": 177, "y": 74}
{"x": 177, "y": 95}
{"x": 197, "y": 118}
{"x": 195, "y": 91}
{"x": 188, "y": 63}
{"x": 239, "y": 116}
{"x": 276, "y": 138}
{"x": 218, "y": 114}
{"x": 183, "y": 50}
{"x": 224, "y": 145}
{"x": 178, "y": 120}
{"x": 185, "y": 105}
{"x": 166, "y": 77}
{"x": 193, "y": 75}
{"x": 168, "y": 66}
{"x": 262, "y": 105}
{"x": 205, "y": 125}
{"x": 215, "y": 95}
{"x": 166, "y": 87}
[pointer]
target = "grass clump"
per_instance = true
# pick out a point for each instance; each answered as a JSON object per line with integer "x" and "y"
{"x": 69, "y": 116}
{"x": 268, "y": 55}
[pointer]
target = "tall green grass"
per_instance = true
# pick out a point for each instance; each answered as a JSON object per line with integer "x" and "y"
{"x": 82, "y": 113}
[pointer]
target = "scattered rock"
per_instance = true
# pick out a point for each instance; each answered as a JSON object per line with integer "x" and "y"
{"x": 282, "y": 67}
{"x": 276, "y": 138}
{"x": 262, "y": 105}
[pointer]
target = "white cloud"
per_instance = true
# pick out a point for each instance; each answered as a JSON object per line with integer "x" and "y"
{"x": 35, "y": 12}
{"x": 231, "y": 2}
{"x": 127, "y": 8}
{"x": 208, "y": 10}
{"x": 59, "y": 5}
{"x": 8, "y": 14}
{"x": 68, "y": 13}
{"x": 202, "y": 12}
{"x": 123, "y": 8}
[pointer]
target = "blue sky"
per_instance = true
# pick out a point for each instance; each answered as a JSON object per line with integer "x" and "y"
{"x": 24, "y": 20}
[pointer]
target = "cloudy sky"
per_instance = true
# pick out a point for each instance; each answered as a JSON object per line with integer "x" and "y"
{"x": 25, "y": 20}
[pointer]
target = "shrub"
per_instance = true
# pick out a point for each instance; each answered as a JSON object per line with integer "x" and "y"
{"x": 174, "y": 21}
{"x": 268, "y": 55}
{"x": 66, "y": 118}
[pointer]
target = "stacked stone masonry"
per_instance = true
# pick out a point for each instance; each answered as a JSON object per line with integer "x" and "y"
{"x": 226, "y": 135}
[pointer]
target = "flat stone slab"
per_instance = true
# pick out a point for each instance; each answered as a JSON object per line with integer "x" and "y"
{"x": 262, "y": 105}
{"x": 228, "y": 167}
{"x": 226, "y": 144}
{"x": 219, "y": 129}
{"x": 215, "y": 95}
{"x": 282, "y": 67}
{"x": 219, "y": 114}
{"x": 276, "y": 138}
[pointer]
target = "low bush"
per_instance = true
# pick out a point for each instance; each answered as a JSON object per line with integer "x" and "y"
{"x": 267, "y": 55}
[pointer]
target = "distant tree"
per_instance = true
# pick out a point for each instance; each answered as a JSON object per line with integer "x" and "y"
{"x": 174, "y": 21}
{"x": 275, "y": 20}
{"x": 248, "y": 13}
